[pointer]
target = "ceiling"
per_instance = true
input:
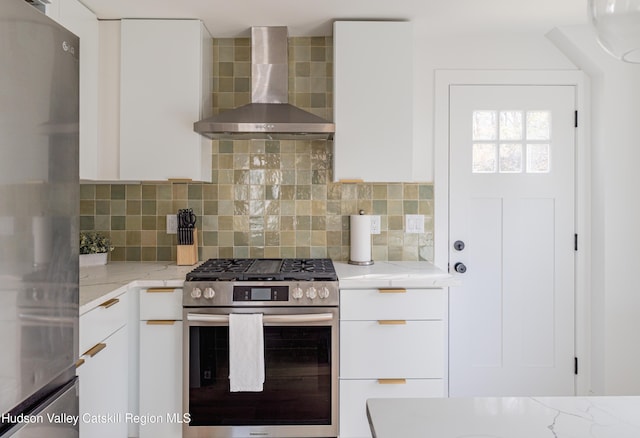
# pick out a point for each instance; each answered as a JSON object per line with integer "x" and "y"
{"x": 233, "y": 18}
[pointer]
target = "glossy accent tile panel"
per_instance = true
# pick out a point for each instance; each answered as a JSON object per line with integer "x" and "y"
{"x": 265, "y": 219}
{"x": 269, "y": 198}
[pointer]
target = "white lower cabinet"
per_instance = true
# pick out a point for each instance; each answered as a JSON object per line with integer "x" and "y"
{"x": 391, "y": 348}
{"x": 160, "y": 377}
{"x": 103, "y": 370}
{"x": 160, "y": 366}
{"x": 392, "y": 344}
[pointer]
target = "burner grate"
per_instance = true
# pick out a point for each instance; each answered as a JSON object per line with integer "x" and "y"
{"x": 264, "y": 270}
{"x": 307, "y": 265}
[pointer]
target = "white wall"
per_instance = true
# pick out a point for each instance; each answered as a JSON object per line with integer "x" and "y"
{"x": 477, "y": 52}
{"x": 615, "y": 215}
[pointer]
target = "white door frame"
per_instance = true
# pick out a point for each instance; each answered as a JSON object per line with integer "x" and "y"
{"x": 444, "y": 79}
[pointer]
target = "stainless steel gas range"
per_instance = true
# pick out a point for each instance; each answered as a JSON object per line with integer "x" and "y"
{"x": 298, "y": 300}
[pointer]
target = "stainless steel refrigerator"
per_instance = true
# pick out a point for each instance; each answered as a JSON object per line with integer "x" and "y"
{"x": 39, "y": 224}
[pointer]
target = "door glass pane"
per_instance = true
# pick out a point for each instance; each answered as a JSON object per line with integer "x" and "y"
{"x": 510, "y": 125}
{"x": 485, "y": 125}
{"x": 510, "y": 158}
{"x": 484, "y": 158}
{"x": 538, "y": 125}
{"x": 538, "y": 158}
{"x": 533, "y": 127}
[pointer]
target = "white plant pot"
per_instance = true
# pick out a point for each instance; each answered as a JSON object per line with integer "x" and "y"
{"x": 93, "y": 259}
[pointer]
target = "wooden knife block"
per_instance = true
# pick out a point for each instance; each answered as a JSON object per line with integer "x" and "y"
{"x": 188, "y": 254}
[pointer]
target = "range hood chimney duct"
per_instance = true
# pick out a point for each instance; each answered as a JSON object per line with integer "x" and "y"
{"x": 269, "y": 115}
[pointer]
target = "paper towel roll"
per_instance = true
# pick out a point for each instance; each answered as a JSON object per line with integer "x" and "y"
{"x": 360, "y": 251}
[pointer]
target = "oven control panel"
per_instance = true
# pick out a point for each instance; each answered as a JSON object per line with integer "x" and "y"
{"x": 260, "y": 293}
{"x": 250, "y": 294}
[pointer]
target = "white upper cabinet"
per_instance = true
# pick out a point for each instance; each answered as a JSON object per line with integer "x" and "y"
{"x": 164, "y": 88}
{"x": 81, "y": 21}
{"x": 109, "y": 101}
{"x": 373, "y": 101}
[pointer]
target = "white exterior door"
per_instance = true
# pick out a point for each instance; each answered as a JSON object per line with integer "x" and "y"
{"x": 511, "y": 201}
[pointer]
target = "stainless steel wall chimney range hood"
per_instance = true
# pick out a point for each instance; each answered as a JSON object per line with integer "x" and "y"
{"x": 269, "y": 115}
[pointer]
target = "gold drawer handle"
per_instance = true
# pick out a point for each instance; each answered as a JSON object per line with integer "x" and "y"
{"x": 160, "y": 289}
{"x": 392, "y": 322}
{"x": 79, "y": 363}
{"x": 110, "y": 303}
{"x": 161, "y": 322}
{"x": 392, "y": 381}
{"x": 350, "y": 180}
{"x": 392, "y": 290}
{"x": 95, "y": 349}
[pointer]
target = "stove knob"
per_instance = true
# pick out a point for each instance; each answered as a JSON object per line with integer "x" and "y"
{"x": 323, "y": 292}
{"x": 209, "y": 293}
{"x": 311, "y": 293}
{"x": 296, "y": 293}
{"x": 196, "y": 292}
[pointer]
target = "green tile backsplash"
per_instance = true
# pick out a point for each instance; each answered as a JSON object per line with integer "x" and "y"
{"x": 268, "y": 198}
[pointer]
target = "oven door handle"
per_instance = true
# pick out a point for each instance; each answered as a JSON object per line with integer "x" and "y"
{"x": 267, "y": 319}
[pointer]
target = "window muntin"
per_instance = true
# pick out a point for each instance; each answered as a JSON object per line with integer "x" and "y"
{"x": 511, "y": 141}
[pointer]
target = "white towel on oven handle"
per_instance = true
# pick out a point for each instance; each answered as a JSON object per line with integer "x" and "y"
{"x": 246, "y": 352}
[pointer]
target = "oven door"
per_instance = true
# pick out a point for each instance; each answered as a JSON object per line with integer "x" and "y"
{"x": 300, "y": 396}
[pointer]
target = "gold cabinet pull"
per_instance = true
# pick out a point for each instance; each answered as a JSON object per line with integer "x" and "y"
{"x": 351, "y": 180}
{"x": 160, "y": 322}
{"x": 95, "y": 349}
{"x": 392, "y": 322}
{"x": 110, "y": 303}
{"x": 160, "y": 289}
{"x": 392, "y": 381}
{"x": 79, "y": 363}
{"x": 392, "y": 290}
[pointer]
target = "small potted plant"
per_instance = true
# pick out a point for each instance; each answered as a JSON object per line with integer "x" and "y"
{"x": 94, "y": 248}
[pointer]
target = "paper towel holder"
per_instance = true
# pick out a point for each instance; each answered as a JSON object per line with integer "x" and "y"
{"x": 361, "y": 263}
{"x": 367, "y": 263}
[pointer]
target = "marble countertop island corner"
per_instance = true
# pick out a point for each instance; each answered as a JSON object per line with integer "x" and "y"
{"x": 506, "y": 417}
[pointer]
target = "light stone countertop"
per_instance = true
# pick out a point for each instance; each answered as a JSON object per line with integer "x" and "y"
{"x": 506, "y": 417}
{"x": 393, "y": 274}
{"x": 101, "y": 283}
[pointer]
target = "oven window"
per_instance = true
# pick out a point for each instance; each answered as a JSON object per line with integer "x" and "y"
{"x": 297, "y": 387}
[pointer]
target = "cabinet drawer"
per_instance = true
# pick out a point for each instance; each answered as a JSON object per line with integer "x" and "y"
{"x": 354, "y": 395}
{"x": 409, "y": 349}
{"x": 161, "y": 303}
{"x": 367, "y": 304}
{"x": 97, "y": 324}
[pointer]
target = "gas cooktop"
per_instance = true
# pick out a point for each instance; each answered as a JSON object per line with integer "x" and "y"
{"x": 264, "y": 270}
